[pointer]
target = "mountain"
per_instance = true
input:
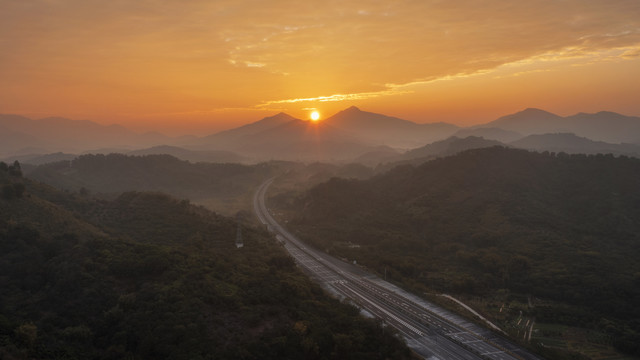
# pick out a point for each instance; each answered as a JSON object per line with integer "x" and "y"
{"x": 489, "y": 133}
{"x": 16, "y": 141}
{"x": 530, "y": 121}
{"x": 449, "y": 146}
{"x": 390, "y": 131}
{"x": 214, "y": 156}
{"x": 61, "y": 134}
{"x": 222, "y": 186}
{"x": 231, "y": 138}
{"x": 40, "y": 159}
{"x": 344, "y": 136}
{"x": 572, "y": 144}
{"x": 284, "y": 137}
{"x": 379, "y": 155}
{"x": 442, "y": 148}
{"x": 211, "y": 156}
{"x": 305, "y": 141}
{"x": 603, "y": 126}
{"x": 606, "y": 126}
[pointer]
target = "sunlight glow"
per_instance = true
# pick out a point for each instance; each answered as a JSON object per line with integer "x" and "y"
{"x": 315, "y": 116}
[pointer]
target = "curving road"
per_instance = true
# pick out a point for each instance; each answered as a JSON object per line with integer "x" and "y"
{"x": 432, "y": 332}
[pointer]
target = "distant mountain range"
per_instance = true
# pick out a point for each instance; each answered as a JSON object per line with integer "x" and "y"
{"x": 573, "y": 144}
{"x": 19, "y": 134}
{"x": 351, "y": 134}
{"x": 217, "y": 156}
{"x": 602, "y": 126}
{"x": 490, "y": 133}
{"x": 390, "y": 131}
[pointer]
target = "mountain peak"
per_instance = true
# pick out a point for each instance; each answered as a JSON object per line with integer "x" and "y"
{"x": 281, "y": 116}
{"x": 533, "y": 111}
{"x": 352, "y": 108}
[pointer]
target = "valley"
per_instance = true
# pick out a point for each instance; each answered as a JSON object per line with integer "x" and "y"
{"x": 428, "y": 329}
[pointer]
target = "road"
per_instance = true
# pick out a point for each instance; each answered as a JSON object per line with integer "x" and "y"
{"x": 431, "y": 331}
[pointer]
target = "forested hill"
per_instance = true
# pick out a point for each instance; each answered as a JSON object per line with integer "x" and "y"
{"x": 115, "y": 173}
{"x": 147, "y": 276}
{"x": 565, "y": 228}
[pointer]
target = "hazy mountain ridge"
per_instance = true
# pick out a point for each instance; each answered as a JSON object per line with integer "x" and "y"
{"x": 230, "y": 138}
{"x": 366, "y": 128}
{"x": 304, "y": 140}
{"x": 344, "y": 136}
{"x": 449, "y": 146}
{"x": 214, "y": 156}
{"x": 602, "y": 126}
{"x": 61, "y": 134}
{"x": 390, "y": 131}
{"x": 573, "y": 144}
{"x": 116, "y": 173}
{"x": 286, "y": 138}
{"x": 489, "y": 133}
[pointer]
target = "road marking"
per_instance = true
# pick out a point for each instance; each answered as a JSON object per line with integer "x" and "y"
{"x": 493, "y": 353}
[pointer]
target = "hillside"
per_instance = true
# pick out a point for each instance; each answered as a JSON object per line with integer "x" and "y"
{"x": 147, "y": 276}
{"x": 212, "y": 156}
{"x": 303, "y": 141}
{"x": 284, "y": 137}
{"x": 561, "y": 228}
{"x": 449, "y": 146}
{"x": 233, "y": 137}
{"x": 60, "y": 134}
{"x": 489, "y": 133}
{"x": 602, "y": 126}
{"x": 441, "y": 148}
{"x": 380, "y": 129}
{"x": 530, "y": 121}
{"x": 572, "y": 144}
{"x": 221, "y": 185}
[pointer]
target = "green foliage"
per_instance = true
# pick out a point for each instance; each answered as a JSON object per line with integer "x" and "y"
{"x": 556, "y": 226}
{"x": 10, "y": 179}
{"x": 15, "y": 169}
{"x": 147, "y": 276}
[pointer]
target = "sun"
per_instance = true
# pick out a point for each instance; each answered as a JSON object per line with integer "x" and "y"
{"x": 315, "y": 116}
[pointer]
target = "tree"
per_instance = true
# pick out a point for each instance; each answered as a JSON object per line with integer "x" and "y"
{"x": 15, "y": 169}
{"x": 8, "y": 192}
{"x": 27, "y": 334}
{"x": 19, "y": 189}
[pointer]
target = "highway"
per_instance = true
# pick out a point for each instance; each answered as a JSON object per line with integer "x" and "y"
{"x": 430, "y": 331}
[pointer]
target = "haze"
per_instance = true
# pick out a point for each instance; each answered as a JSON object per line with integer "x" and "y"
{"x": 202, "y": 66}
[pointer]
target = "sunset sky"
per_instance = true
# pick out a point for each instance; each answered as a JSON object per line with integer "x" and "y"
{"x": 198, "y": 66}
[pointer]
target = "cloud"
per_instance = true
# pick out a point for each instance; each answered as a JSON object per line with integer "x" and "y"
{"x": 338, "y": 97}
{"x": 244, "y": 51}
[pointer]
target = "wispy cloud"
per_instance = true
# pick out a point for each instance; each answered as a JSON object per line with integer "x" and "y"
{"x": 338, "y": 97}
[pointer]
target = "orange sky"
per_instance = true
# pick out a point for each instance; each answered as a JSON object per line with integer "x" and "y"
{"x": 198, "y": 66}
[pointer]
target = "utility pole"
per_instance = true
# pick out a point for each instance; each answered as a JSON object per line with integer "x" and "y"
{"x": 239, "y": 242}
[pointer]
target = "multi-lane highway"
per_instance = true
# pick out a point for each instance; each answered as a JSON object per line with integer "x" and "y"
{"x": 429, "y": 330}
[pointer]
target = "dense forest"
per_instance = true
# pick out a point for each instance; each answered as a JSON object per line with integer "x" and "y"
{"x": 560, "y": 228}
{"x": 225, "y": 188}
{"x": 147, "y": 276}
